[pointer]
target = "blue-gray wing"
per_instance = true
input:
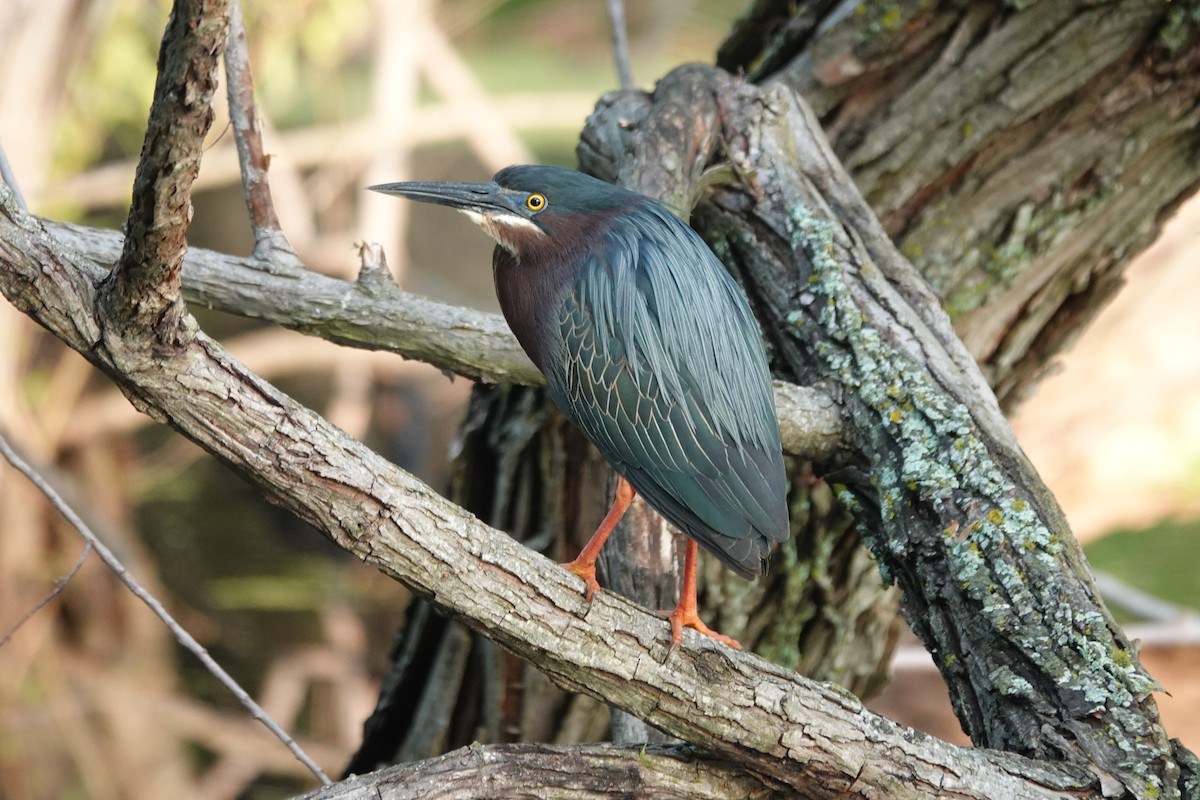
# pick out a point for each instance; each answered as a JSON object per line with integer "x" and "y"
{"x": 663, "y": 369}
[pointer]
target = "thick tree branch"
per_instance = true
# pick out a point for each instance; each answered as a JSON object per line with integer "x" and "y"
{"x": 583, "y": 772}
{"x": 1008, "y": 148}
{"x": 954, "y": 513}
{"x": 813, "y": 738}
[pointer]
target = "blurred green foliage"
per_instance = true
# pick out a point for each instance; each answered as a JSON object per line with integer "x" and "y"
{"x": 307, "y": 58}
{"x": 1160, "y": 560}
{"x": 312, "y": 59}
{"x": 109, "y": 87}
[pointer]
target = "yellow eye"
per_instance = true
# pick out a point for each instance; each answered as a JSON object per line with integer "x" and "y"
{"x": 535, "y": 202}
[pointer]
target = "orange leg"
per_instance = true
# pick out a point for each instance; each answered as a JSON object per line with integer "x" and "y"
{"x": 585, "y": 564}
{"x": 685, "y": 614}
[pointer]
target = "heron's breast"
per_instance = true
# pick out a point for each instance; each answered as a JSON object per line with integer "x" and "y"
{"x": 531, "y": 297}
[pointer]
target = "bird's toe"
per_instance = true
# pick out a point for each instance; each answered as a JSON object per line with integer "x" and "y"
{"x": 588, "y": 573}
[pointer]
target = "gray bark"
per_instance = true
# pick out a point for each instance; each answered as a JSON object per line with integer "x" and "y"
{"x": 544, "y": 772}
{"x": 955, "y": 515}
{"x": 1019, "y": 155}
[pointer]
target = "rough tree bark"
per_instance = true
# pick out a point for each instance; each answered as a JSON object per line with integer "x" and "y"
{"x": 948, "y": 504}
{"x": 1020, "y": 154}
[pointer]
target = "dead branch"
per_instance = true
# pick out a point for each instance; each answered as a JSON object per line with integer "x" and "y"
{"x": 182, "y": 636}
{"x": 269, "y": 238}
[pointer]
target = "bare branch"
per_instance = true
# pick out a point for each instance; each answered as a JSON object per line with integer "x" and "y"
{"x": 146, "y": 278}
{"x": 59, "y": 585}
{"x": 131, "y": 583}
{"x": 9, "y": 452}
{"x": 620, "y": 42}
{"x": 376, "y": 314}
{"x": 583, "y": 772}
{"x": 10, "y": 178}
{"x": 1143, "y": 604}
{"x": 269, "y": 238}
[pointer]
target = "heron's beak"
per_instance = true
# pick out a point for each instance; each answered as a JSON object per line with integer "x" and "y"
{"x": 486, "y": 199}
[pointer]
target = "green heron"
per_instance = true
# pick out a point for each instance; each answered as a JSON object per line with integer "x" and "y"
{"x": 649, "y": 347}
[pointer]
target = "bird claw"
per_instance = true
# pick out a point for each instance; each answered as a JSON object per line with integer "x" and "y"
{"x": 682, "y": 618}
{"x": 588, "y": 573}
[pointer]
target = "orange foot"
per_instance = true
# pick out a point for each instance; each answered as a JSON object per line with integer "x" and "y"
{"x": 684, "y": 617}
{"x": 588, "y": 573}
{"x": 685, "y": 612}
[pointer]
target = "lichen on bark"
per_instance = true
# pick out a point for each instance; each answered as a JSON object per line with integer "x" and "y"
{"x": 1014, "y": 627}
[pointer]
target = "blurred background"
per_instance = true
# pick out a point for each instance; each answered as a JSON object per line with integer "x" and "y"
{"x": 96, "y": 699}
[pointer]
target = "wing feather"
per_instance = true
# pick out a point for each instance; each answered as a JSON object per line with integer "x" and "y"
{"x": 663, "y": 368}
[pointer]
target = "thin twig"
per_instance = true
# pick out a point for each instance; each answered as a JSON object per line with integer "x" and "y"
{"x": 620, "y": 43}
{"x": 59, "y": 585}
{"x": 268, "y": 233}
{"x": 181, "y": 635}
{"x": 7, "y": 175}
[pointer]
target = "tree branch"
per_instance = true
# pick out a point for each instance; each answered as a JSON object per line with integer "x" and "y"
{"x": 620, "y": 42}
{"x": 814, "y": 738}
{"x": 181, "y": 635}
{"x": 376, "y": 314}
{"x": 9, "y": 178}
{"x": 145, "y": 285}
{"x": 583, "y": 772}
{"x": 992, "y": 580}
{"x": 269, "y": 239}
{"x": 995, "y": 142}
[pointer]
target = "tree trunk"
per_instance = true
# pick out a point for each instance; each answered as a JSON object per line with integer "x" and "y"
{"x": 1019, "y": 154}
{"x": 1003, "y": 151}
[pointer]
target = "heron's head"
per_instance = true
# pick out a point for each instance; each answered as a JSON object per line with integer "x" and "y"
{"x": 526, "y": 207}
